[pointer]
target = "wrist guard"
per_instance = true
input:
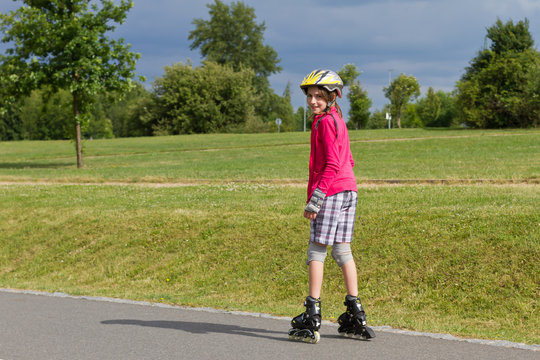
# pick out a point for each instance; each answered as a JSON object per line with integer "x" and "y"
{"x": 316, "y": 201}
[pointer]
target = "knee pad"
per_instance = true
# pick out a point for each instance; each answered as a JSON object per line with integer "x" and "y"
{"x": 342, "y": 254}
{"x": 315, "y": 253}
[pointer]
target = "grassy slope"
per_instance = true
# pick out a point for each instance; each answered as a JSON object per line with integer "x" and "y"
{"x": 458, "y": 259}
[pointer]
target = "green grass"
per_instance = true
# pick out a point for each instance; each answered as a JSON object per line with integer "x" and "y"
{"x": 460, "y": 259}
{"x": 380, "y": 154}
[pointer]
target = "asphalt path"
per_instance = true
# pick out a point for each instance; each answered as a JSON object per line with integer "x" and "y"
{"x": 45, "y": 326}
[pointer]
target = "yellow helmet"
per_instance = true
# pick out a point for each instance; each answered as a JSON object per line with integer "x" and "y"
{"x": 325, "y": 78}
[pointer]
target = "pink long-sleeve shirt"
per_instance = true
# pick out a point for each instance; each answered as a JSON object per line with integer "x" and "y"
{"x": 330, "y": 161}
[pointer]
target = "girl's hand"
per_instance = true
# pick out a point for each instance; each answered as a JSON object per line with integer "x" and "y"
{"x": 310, "y": 215}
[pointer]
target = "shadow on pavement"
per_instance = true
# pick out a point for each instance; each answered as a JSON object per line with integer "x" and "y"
{"x": 201, "y": 328}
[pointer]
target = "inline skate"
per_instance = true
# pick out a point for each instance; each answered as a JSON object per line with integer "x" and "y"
{"x": 353, "y": 321}
{"x": 306, "y": 325}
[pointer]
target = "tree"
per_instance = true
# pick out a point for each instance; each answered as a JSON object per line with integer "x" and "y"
{"x": 360, "y": 104}
{"x": 429, "y": 108}
{"x": 232, "y": 37}
{"x": 377, "y": 120}
{"x": 509, "y": 37}
{"x": 129, "y": 116}
{"x": 400, "y": 91}
{"x": 410, "y": 118}
{"x": 448, "y": 116}
{"x": 284, "y": 109}
{"x": 299, "y": 116}
{"x": 100, "y": 125}
{"x": 358, "y": 99}
{"x": 348, "y": 74}
{"x": 206, "y": 99}
{"x": 10, "y": 122}
{"x": 63, "y": 44}
{"x": 533, "y": 95}
{"x": 496, "y": 90}
{"x": 46, "y": 115}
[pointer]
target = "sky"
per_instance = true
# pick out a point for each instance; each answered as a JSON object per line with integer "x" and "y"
{"x": 432, "y": 40}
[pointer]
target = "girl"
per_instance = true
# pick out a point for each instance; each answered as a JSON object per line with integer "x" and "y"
{"x": 331, "y": 207}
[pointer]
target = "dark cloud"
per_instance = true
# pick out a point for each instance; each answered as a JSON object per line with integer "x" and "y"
{"x": 431, "y": 40}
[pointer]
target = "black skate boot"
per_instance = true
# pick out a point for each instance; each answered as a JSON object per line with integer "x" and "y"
{"x": 353, "y": 321}
{"x": 306, "y": 325}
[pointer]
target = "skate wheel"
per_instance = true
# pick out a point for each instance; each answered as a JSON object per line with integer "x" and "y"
{"x": 311, "y": 339}
{"x": 304, "y": 336}
{"x": 316, "y": 338}
{"x": 347, "y": 334}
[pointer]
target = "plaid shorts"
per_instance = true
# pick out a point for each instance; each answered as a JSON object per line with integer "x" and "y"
{"x": 335, "y": 221}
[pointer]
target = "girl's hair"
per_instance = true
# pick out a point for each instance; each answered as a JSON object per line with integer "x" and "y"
{"x": 329, "y": 97}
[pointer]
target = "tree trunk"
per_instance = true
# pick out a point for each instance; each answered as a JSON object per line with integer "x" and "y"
{"x": 78, "y": 141}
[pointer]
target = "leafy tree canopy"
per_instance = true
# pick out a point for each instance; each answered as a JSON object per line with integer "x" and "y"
{"x": 498, "y": 88}
{"x": 64, "y": 44}
{"x": 400, "y": 91}
{"x": 205, "y": 99}
{"x": 358, "y": 97}
{"x": 429, "y": 108}
{"x": 232, "y": 37}
{"x": 437, "y": 109}
{"x": 348, "y": 74}
{"x": 510, "y": 36}
{"x": 360, "y": 104}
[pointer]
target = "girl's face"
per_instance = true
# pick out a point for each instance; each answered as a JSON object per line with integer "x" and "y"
{"x": 316, "y": 100}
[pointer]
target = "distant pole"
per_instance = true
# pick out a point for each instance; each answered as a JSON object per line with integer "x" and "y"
{"x": 389, "y": 118}
{"x": 278, "y": 123}
{"x": 388, "y": 115}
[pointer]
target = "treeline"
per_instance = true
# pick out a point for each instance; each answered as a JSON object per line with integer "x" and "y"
{"x": 207, "y": 99}
{"x": 230, "y": 91}
{"x": 163, "y": 111}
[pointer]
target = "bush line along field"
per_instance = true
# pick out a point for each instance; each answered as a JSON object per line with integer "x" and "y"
{"x": 459, "y": 258}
